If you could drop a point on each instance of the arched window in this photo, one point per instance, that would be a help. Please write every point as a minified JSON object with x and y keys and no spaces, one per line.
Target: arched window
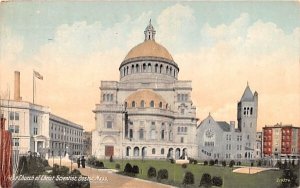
{"x":156,"y":68}
{"x":141,"y":134}
{"x":127,"y":70}
{"x":124,"y":71}
{"x":152,"y":104}
{"x":153,"y":151}
{"x":163,"y":134}
{"x":128,"y":151}
{"x":137,"y":67}
{"x":144,"y":67}
{"x":142,"y":104}
{"x":160,"y":104}
{"x":136,"y":151}
{"x":167,"y":70}
{"x":167,"y":106}
{"x":111,"y":97}
{"x":251,"y":111}
{"x":149,"y":68}
{"x":103,"y":97}
{"x":162,"y":151}
{"x":170,"y":70}
{"x":161,"y":68}
{"x":132,"y":69}
{"x":133,"y":104}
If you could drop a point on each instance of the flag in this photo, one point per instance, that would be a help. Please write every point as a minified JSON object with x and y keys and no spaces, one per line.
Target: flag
{"x":38,"y":75}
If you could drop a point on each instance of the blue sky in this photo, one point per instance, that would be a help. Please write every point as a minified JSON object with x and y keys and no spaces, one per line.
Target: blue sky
{"x":36,"y":22}
{"x":220,"y":46}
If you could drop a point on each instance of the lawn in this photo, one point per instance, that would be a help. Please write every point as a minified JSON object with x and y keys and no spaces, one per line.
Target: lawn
{"x":176,"y":173}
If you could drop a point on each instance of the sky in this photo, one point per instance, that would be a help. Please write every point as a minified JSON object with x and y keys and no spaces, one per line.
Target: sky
{"x":220,"y":46}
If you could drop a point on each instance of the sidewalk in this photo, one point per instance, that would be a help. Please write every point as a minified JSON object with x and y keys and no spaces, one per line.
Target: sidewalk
{"x":107,"y":178}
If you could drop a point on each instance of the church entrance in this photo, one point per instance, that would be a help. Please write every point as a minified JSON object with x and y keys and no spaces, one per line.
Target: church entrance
{"x":109,"y":151}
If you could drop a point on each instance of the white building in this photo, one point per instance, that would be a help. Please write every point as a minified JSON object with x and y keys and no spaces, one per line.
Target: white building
{"x":223,"y":141}
{"x":35,"y":129}
{"x":148,"y":113}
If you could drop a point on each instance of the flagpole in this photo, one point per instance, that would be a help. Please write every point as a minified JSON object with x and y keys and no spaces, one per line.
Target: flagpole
{"x":33,"y":83}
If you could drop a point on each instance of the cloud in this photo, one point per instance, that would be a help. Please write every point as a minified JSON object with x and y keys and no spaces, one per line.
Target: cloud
{"x":175,"y":25}
{"x":258,"y":52}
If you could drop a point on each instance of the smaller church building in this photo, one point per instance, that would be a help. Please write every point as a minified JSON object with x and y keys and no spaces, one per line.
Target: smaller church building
{"x":224,"y":141}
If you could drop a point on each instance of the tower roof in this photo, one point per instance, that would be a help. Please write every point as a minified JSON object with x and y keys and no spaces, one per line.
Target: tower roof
{"x":248,"y":95}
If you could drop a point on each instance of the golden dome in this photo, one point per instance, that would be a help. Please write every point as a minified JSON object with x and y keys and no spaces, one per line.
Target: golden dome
{"x":147,"y":96}
{"x":149,"y":48}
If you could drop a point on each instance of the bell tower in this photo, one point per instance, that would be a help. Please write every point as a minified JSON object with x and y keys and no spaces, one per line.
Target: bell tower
{"x":247,"y":120}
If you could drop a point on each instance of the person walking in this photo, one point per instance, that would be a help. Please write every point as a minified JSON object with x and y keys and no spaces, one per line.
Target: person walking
{"x":83,"y":162}
{"x":78,"y":162}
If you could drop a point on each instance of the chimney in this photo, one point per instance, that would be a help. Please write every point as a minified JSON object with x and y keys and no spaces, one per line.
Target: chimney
{"x":17,"y":96}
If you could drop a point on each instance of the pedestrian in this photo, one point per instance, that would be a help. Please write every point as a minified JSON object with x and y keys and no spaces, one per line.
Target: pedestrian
{"x":83,"y":162}
{"x":78,"y":162}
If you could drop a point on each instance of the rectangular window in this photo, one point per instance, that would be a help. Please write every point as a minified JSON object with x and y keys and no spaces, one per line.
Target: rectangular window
{"x":17,"y":116}
{"x":181,"y":139}
{"x":109,"y":124}
{"x":17,"y":129}
{"x":11,"y":115}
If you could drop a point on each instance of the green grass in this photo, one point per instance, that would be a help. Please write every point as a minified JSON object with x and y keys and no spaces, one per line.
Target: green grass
{"x":176,"y":173}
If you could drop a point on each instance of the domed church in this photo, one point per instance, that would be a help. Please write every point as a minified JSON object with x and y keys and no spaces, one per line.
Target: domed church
{"x":148,"y":113}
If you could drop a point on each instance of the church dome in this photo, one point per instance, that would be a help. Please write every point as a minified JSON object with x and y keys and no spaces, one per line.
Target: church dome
{"x":149,"y":48}
{"x":148,"y":61}
{"x":144,"y":99}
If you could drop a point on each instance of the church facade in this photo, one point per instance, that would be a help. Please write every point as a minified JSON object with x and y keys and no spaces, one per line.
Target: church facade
{"x":148,"y":113}
{"x":224,"y":141}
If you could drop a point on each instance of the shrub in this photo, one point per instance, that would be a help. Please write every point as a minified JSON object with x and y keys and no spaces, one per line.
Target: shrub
{"x":111,"y":159}
{"x":217,"y":181}
{"x":291,"y":176}
{"x":279,"y":164}
{"x":128,"y":168}
{"x":195,"y":161}
{"x":162,"y":174}
{"x":259,"y":163}
{"x":238,"y":163}
{"x":231,"y":163}
{"x":205,"y":163}
{"x":188,"y":178}
{"x":117,"y":166}
{"x":211,"y":162}
{"x":172,"y":161}
{"x":135,"y":169}
{"x":91,"y":160}
{"x":205,"y":180}
{"x":252,"y":164}
{"x":183,"y":165}
{"x":224,"y":163}
{"x":216,"y":161}
{"x":99,"y":164}
{"x":151,"y":172}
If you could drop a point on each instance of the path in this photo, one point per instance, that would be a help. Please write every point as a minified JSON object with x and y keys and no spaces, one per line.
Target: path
{"x":106,"y":178}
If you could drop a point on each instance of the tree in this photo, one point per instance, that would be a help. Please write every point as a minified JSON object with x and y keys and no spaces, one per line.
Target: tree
{"x":205,"y":163}
{"x":162,"y":174}
{"x":151,"y":172}
{"x":231,"y":163}
{"x":211,"y":162}
{"x":183,"y":165}
{"x":217,"y":181}
{"x":128,"y":168}
{"x":188,"y":178}
{"x":135,"y":169}
{"x":205,"y":180}
{"x":224,"y":163}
